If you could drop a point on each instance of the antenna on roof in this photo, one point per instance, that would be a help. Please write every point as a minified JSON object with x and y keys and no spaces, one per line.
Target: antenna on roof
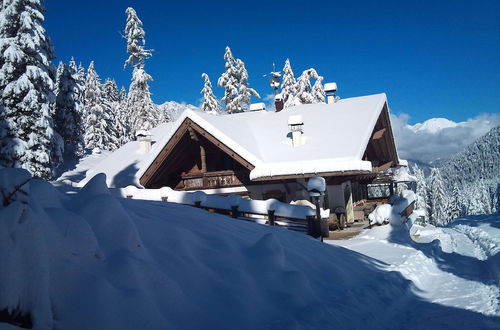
{"x":275,"y":79}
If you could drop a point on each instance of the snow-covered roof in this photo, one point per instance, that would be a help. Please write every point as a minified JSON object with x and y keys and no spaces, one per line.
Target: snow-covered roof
{"x":121,"y":166}
{"x":257,"y":106}
{"x":334,"y":138}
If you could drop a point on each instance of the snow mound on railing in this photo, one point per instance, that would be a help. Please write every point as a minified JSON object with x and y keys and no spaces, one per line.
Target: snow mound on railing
{"x":391,"y":213}
{"x":218,"y":202}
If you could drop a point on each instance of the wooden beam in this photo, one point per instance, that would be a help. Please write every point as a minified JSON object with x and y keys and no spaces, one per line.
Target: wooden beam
{"x":309,"y":175}
{"x":378,"y":134}
{"x":383,"y":167}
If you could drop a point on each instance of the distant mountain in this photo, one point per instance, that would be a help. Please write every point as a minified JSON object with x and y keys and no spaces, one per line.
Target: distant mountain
{"x":171,"y":110}
{"x":479,"y":161}
{"x":433,"y":125}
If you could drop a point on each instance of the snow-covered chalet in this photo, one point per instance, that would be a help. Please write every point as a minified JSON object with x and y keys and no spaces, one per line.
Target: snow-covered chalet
{"x":264,"y":154}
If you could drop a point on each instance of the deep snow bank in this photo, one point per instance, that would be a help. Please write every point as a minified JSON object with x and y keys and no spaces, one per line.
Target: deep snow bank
{"x":92,"y":260}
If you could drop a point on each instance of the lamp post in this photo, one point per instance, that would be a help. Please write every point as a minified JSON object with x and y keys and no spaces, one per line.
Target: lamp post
{"x":316,"y":187}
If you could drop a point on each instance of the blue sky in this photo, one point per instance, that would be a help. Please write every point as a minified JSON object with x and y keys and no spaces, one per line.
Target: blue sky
{"x":432,"y":58}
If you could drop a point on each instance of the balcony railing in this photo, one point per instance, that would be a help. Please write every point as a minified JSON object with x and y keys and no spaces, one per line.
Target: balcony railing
{"x":209,"y":180}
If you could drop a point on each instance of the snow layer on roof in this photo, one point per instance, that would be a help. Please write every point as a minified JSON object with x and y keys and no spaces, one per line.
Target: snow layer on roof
{"x":335,"y":135}
{"x":121,"y":166}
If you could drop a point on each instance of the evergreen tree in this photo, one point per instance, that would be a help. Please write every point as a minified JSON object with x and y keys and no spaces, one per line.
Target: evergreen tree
{"x":113,"y":106}
{"x":122,"y":95}
{"x":438,"y":215}
{"x":141,"y":112}
{"x":99,"y":122}
{"x":27,"y":79}
{"x":69,"y":109}
{"x":304,"y":88}
{"x":289,"y":86}
{"x":242,"y":101}
{"x":134,"y":33}
{"x":454,"y":208}
{"x":210,"y":102}
{"x":422,"y":191}
{"x":234,"y":80}
{"x":318,"y":91}
{"x":228,"y":81}
{"x":110,"y":90}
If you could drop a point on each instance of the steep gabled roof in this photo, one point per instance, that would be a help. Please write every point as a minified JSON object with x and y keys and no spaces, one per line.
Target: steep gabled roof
{"x":336,"y":137}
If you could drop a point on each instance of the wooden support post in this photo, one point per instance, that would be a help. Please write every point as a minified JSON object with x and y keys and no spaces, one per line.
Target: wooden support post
{"x":234,"y":211}
{"x":271,"y":217}
{"x":203,"y":158}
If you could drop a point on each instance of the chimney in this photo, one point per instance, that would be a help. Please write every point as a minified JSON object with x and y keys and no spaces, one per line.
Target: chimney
{"x":295,"y":123}
{"x":278,"y":102}
{"x":330,"y":90}
{"x":144,"y":139}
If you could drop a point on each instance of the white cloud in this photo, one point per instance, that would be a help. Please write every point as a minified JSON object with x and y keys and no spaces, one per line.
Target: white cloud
{"x":438,"y":138}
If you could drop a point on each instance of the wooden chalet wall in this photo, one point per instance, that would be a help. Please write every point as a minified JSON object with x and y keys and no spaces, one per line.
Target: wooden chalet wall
{"x":193,"y":159}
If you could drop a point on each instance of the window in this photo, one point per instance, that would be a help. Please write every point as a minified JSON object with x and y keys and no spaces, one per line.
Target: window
{"x":381,"y":190}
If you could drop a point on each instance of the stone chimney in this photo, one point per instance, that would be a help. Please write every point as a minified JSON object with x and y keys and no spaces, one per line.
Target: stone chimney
{"x":278,"y":102}
{"x":144,"y":139}
{"x":295,"y":124}
{"x":330,"y":90}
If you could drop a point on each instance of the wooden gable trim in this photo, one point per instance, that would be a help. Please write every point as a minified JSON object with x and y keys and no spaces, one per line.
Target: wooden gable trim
{"x":190,"y":127}
{"x":309,"y":175}
{"x":391,"y":142}
{"x":381,"y":146}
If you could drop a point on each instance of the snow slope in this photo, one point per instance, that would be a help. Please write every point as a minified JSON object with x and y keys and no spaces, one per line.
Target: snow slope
{"x":91,"y":260}
{"x":457,"y":265}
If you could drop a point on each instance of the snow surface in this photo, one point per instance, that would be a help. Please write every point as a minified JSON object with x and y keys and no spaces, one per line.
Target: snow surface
{"x":262,"y":138}
{"x":433,"y":125}
{"x":122,"y":165}
{"x":456,"y":266}
{"x":91,"y":260}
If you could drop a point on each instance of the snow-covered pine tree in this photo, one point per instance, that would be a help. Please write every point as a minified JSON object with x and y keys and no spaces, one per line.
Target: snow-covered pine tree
{"x":289,"y":86}
{"x":112,"y":104}
{"x":228,"y":81}
{"x":318,"y":90}
{"x":122,"y":95}
{"x":142,"y":113}
{"x":99,"y":130}
{"x":69,"y":109}
{"x":110,"y":90}
{"x":438,"y":214}
{"x":27,"y":79}
{"x":234,"y":80}
{"x":304,"y":87}
{"x":242,"y":101}
{"x":210,"y":102}
{"x":454,"y":205}
{"x":422,"y":191}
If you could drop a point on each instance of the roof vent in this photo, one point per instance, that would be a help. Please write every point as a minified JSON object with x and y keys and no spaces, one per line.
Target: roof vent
{"x":144,"y":139}
{"x":295,"y":124}
{"x":330,"y":90}
{"x":257,"y":106}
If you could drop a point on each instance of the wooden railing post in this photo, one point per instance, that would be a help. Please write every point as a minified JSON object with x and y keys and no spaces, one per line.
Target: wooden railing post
{"x":271,"y":217}
{"x":234,"y":211}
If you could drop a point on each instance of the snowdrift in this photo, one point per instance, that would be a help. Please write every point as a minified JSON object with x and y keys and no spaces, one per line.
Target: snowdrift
{"x":92,"y":260}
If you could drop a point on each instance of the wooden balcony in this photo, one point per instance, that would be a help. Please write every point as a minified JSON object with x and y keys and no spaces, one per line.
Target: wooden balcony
{"x":209,"y":180}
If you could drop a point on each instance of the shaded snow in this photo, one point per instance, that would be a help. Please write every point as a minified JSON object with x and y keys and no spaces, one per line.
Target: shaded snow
{"x":103,"y":262}
{"x":456,"y":266}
